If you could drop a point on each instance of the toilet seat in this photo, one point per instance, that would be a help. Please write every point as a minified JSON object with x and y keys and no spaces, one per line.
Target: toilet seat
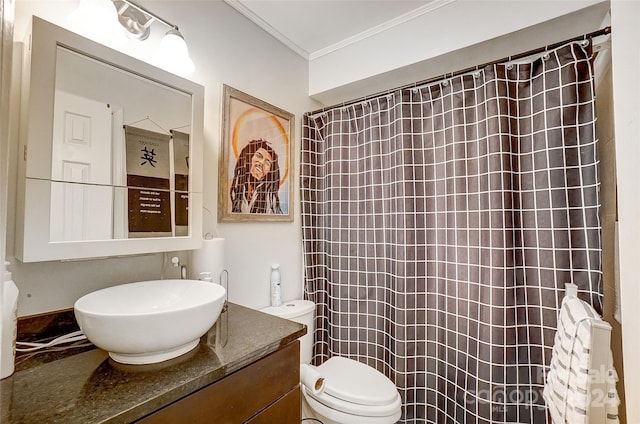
{"x":325,"y":412}
{"x":355,"y":388}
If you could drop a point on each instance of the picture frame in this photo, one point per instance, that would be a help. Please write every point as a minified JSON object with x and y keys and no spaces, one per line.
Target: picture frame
{"x":255,"y":174}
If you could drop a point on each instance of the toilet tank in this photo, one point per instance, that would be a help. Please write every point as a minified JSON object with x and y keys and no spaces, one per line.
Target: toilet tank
{"x":302,"y":311}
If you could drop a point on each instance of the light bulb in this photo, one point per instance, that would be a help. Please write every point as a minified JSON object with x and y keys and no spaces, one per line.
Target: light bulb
{"x":95,"y":19}
{"x":173,"y":54}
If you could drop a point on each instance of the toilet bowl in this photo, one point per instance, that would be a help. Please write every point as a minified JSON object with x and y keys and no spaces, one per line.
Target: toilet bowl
{"x":354,"y":393}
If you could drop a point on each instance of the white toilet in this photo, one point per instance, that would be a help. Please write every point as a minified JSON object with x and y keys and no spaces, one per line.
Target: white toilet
{"x":354,"y":393}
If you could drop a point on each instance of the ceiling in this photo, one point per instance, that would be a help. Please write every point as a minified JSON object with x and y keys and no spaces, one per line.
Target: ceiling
{"x":315,"y":27}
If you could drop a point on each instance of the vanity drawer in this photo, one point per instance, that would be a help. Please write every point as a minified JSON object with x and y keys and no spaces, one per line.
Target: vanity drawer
{"x":258,"y":393}
{"x":284,"y":410}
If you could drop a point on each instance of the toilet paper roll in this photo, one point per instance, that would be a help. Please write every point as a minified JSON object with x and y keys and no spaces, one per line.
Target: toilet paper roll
{"x":311,"y":378}
{"x":208,"y":259}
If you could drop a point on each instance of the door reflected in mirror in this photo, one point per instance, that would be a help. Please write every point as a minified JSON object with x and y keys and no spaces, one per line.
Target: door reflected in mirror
{"x":132,"y":132}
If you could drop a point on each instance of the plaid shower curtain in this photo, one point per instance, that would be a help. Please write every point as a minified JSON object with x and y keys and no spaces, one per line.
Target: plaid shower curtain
{"x":440,"y":224}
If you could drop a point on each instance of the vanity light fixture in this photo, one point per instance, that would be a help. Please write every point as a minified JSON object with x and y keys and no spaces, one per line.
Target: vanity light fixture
{"x":97,"y":19}
{"x":173,"y":53}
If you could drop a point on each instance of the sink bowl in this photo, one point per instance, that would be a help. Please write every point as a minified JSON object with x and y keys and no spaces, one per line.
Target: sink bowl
{"x":149,"y":321}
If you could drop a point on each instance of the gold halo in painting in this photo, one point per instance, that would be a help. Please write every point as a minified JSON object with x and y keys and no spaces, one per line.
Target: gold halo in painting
{"x":270,"y":128}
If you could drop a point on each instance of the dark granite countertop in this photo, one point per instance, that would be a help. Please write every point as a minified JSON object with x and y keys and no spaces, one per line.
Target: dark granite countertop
{"x":89,"y":387}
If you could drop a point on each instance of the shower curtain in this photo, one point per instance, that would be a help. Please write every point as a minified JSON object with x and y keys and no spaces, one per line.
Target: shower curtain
{"x":440,"y":224}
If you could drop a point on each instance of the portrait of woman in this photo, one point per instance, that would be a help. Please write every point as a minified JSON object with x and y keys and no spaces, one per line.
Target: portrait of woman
{"x":254,"y":179}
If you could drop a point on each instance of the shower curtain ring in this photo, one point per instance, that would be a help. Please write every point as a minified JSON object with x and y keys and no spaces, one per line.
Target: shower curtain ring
{"x":509,"y":64}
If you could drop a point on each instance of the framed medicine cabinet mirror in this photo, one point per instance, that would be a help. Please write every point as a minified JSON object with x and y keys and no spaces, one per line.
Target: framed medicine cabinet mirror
{"x":111,"y":152}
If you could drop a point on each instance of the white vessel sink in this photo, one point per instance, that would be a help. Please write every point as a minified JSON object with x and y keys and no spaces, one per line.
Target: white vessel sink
{"x":149,"y":321}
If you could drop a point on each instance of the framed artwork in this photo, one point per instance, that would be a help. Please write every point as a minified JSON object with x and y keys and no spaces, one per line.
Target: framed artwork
{"x":256,"y":160}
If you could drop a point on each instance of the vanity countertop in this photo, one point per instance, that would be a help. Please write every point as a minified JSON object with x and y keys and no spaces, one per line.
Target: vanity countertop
{"x":89,"y":387}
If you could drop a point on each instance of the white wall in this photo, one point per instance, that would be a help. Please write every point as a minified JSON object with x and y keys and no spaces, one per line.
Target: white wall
{"x":455,"y":36}
{"x":226,"y":48}
{"x":229,"y":49}
{"x":625,"y":17}
{"x":6,"y":48}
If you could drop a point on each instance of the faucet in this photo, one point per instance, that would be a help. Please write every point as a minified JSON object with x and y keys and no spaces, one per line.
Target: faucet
{"x":183,"y":268}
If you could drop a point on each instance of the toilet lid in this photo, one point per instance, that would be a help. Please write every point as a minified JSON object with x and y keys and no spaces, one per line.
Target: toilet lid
{"x":356,"y":382}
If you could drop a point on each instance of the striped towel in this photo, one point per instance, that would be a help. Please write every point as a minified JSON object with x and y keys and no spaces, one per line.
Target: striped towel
{"x":572,"y":392}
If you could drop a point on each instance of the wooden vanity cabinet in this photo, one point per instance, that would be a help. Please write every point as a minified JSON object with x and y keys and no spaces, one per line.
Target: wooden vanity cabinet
{"x":265,"y":391}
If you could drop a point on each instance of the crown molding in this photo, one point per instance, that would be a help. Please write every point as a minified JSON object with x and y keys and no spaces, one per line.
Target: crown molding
{"x":427,"y":8}
{"x":248,"y":13}
{"x":378,"y":29}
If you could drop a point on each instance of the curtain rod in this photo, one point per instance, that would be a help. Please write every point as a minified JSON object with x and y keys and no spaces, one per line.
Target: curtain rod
{"x":603,"y":31}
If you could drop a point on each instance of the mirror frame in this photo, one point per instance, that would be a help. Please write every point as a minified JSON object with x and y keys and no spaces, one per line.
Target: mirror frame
{"x":32,"y":242}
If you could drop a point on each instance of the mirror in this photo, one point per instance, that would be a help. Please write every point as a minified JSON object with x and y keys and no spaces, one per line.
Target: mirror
{"x":112,"y":152}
